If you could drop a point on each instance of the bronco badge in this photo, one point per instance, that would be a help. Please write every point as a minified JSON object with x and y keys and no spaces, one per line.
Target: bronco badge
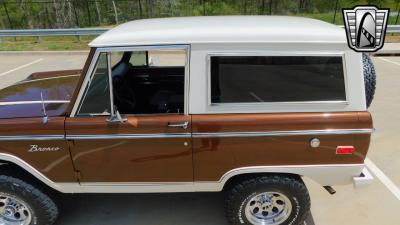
{"x":36,"y":148}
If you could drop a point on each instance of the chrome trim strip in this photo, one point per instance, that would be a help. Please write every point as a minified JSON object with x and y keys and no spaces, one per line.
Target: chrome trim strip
{"x":283,"y":133}
{"x":110,"y":84}
{"x":32,"y":137}
{"x":186,"y":135}
{"x":134,"y":183}
{"x":86,"y":79}
{"x":127,"y":136}
{"x":34,"y":102}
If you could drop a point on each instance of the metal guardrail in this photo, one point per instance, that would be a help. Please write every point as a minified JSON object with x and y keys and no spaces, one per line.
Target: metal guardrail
{"x":79,"y":32}
{"x":391,"y":29}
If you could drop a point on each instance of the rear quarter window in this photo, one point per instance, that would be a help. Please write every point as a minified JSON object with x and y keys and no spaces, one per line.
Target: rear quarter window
{"x":252,"y":79}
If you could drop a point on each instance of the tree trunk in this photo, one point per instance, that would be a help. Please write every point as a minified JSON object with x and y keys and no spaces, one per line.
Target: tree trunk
{"x":98,"y":11}
{"x":398,"y":11}
{"x":115,"y":12}
{"x":262,"y":8}
{"x":270,"y":7}
{"x":48,"y":22}
{"x":88,"y":11}
{"x":140,"y":9}
{"x":57,"y":15}
{"x":8,"y":16}
{"x":75,"y":13}
{"x":336,"y":8}
{"x":204,"y":7}
{"x":149,"y":8}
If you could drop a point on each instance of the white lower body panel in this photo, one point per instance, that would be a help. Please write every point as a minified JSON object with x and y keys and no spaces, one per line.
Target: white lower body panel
{"x":326,"y":175}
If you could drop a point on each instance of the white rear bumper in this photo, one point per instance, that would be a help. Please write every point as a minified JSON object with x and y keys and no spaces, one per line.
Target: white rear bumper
{"x":364,"y":179}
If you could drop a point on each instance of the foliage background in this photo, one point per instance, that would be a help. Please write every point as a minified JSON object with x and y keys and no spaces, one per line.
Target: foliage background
{"x":29,"y":14}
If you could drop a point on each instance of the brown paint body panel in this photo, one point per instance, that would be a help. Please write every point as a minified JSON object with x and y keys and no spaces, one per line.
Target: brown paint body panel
{"x":215,"y":156}
{"x":55,"y":165}
{"x":169,"y":159}
{"x":132,"y":160}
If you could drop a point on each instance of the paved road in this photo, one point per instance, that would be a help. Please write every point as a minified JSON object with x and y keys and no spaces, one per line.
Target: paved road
{"x":376,"y":204}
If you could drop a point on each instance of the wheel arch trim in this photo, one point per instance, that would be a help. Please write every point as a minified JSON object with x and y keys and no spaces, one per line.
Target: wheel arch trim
{"x":9,"y":158}
{"x":324,"y":174}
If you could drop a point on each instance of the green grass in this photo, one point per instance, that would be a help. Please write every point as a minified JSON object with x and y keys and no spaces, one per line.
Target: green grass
{"x":45,"y":44}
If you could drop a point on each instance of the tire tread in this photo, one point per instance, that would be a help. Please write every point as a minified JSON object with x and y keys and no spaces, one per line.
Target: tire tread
{"x":48,"y":207}
{"x":240,"y":188}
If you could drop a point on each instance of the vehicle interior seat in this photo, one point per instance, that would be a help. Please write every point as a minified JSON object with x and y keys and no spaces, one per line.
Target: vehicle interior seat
{"x":124,"y":95}
{"x":161,"y":88}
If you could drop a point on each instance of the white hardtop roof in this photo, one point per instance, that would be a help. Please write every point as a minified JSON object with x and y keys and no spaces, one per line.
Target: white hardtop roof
{"x":221,"y":29}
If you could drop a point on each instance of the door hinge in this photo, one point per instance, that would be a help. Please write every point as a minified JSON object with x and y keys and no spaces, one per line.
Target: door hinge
{"x":78,"y":175}
{"x":71,"y":142}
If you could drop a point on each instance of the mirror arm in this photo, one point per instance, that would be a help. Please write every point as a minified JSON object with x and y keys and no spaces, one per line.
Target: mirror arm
{"x":116,"y":117}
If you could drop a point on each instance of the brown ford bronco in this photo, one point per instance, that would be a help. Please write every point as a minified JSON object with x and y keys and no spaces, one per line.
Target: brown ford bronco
{"x":243,"y":105}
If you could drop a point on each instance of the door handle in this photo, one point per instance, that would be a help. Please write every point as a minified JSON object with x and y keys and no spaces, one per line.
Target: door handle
{"x":184,"y":125}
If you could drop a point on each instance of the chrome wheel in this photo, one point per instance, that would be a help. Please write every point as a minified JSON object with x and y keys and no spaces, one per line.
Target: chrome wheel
{"x":14,"y":211}
{"x":270,"y":208}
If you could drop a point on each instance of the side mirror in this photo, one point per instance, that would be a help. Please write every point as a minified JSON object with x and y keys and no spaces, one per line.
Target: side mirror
{"x":45,"y":118}
{"x":116,"y":118}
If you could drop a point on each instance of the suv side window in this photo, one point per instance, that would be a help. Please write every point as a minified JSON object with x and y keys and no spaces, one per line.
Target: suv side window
{"x":138,"y":58}
{"x":96,"y":100}
{"x":251,"y":79}
{"x":149,"y":82}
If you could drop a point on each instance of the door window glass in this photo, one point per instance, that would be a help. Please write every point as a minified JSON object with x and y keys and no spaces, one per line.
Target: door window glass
{"x":156,"y":87}
{"x":96,"y":99}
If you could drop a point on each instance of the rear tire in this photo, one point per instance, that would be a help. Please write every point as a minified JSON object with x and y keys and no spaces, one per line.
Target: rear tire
{"x":21,"y":203}
{"x":267,"y":200}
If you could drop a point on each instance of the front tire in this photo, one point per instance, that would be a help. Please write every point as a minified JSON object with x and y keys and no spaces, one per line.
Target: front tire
{"x":274,"y":200}
{"x":22,"y":203}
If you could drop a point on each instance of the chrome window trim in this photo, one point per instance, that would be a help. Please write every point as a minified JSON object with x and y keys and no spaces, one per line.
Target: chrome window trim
{"x":127,"y":136}
{"x":34,"y":102}
{"x":89,"y":74}
{"x":85,"y":92}
{"x":32,"y":137}
{"x":110,"y":84}
{"x":283,"y":133}
{"x":271,"y":54}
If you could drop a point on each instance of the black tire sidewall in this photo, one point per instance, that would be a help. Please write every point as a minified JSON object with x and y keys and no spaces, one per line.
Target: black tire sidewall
{"x":14,"y":191}
{"x":42,"y":208}
{"x":295,"y":199}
